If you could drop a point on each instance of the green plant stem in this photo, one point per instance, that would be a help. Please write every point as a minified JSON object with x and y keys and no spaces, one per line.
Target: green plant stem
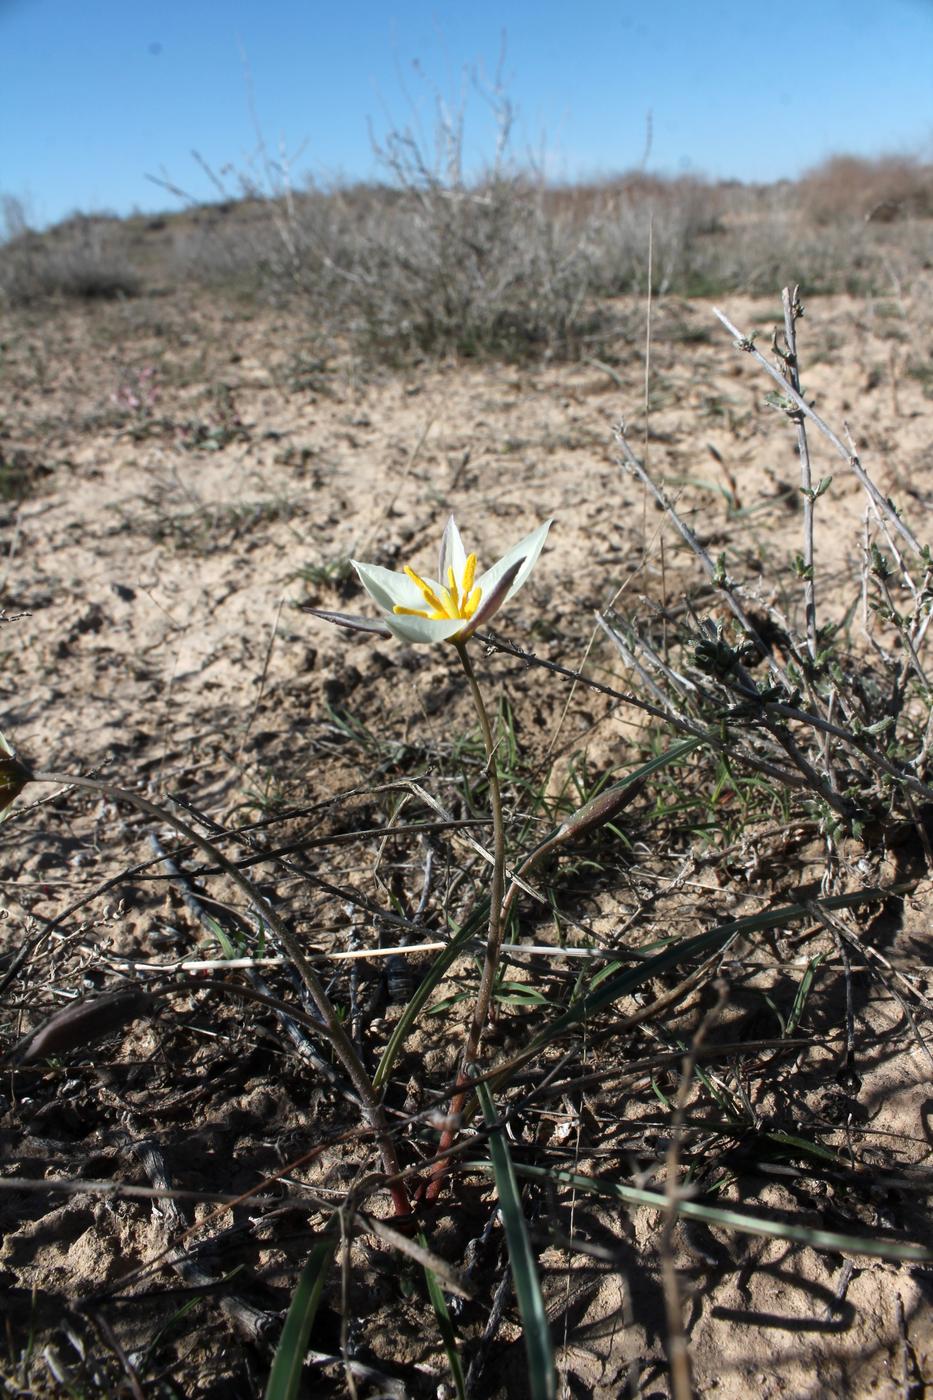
{"x":497,"y":888}
{"x":493,"y":935}
{"x":331,"y":1026}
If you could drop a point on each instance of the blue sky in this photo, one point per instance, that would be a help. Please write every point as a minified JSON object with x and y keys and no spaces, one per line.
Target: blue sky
{"x":95,"y":95}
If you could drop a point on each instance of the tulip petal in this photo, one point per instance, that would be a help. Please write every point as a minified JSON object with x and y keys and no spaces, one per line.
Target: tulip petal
{"x":388,"y":588}
{"x":424,"y":629}
{"x":526,"y":551}
{"x":493,"y":601}
{"x":354,"y":624}
{"x":452,"y":554}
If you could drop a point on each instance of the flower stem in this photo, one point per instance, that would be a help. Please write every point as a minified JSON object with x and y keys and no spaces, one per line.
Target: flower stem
{"x":497,"y":888}
{"x":331,"y":1026}
{"x":494,"y":932}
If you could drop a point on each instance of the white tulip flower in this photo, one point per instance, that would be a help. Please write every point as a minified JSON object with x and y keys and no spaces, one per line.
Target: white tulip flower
{"x":451,"y":607}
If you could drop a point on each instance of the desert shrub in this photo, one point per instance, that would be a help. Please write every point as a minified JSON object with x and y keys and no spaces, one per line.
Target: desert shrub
{"x":883,"y":692}
{"x":880,"y":190}
{"x":709,"y":239}
{"x":85,"y":257}
{"x":233,"y":242}
{"x":434,"y":260}
{"x":680,"y":218}
{"x":515,"y":264}
{"x":469,"y":269}
{"x":428,"y":260}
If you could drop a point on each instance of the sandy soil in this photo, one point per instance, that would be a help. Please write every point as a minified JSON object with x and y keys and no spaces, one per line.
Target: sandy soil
{"x":195,"y":471}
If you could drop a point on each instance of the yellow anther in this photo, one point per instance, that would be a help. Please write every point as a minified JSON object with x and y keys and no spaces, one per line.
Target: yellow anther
{"x":450,"y":602}
{"x":445,"y":603}
{"x":429,"y":595}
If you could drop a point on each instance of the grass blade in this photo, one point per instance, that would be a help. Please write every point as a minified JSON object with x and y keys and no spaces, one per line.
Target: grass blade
{"x":445,"y":1327}
{"x":542,"y":1377}
{"x":725,"y":1218}
{"x":714,"y":940}
{"x":285,"y":1374}
{"x":441,"y":963}
{"x":590,"y":814}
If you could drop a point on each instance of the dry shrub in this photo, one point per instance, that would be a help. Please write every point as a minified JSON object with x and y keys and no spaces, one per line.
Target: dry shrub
{"x":880,"y":190}
{"x":464,"y":269}
{"x":85,"y":257}
{"x":431,"y":260}
{"x":231,"y":243}
{"x":676,"y":219}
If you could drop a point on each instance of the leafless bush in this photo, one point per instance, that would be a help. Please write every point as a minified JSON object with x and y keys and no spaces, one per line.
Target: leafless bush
{"x":881,"y":190}
{"x":862,"y":744}
{"x":438,"y":262}
{"x":470,"y":269}
{"x":709,"y":238}
{"x":435,"y":260}
{"x":233,"y":242}
{"x":84,"y":257}
{"x":675,"y":219}
{"x":431,"y":261}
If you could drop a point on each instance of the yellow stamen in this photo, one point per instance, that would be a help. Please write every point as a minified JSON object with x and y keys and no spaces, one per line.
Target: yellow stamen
{"x":450,"y":601}
{"x":429,"y":595}
{"x":445,"y":603}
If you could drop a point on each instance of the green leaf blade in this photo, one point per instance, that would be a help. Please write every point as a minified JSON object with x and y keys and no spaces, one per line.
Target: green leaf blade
{"x":542,"y":1376}
{"x":285,"y":1374}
